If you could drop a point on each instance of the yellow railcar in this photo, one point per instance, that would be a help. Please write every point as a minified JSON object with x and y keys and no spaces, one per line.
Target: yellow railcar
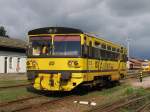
{"x":60,"y":59}
{"x":146,"y":66}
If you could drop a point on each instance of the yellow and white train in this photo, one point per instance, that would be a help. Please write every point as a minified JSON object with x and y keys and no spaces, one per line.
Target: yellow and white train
{"x":60,"y":59}
{"x":146,"y":66}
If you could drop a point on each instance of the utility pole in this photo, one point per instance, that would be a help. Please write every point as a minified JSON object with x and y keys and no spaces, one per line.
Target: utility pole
{"x":128,"y":51}
{"x":128,"y":46}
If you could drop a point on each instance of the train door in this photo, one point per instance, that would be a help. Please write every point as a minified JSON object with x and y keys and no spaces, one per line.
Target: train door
{"x":86,"y":52}
{"x":5,"y":65}
{"x":89,"y":64}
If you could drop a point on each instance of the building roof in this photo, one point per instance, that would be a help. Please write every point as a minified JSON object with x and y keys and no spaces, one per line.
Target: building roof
{"x":12,"y":43}
{"x":134,"y":60}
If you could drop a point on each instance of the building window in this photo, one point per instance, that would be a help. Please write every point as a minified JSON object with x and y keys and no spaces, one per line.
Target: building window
{"x":18,"y":65}
{"x":18,"y":60}
{"x":10,"y":62}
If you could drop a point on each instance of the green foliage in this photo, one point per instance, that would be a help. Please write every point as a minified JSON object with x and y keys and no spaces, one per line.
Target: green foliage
{"x":12,"y":82}
{"x":3,"y":31}
{"x":129,"y":91}
{"x":110,"y":91}
{"x":137,"y":91}
{"x":13,"y":94}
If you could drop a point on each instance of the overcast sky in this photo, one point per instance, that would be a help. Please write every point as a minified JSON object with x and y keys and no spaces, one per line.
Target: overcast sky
{"x":114,"y":20}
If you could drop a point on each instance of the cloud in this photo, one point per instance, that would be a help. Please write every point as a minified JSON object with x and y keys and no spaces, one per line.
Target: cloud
{"x":129,"y":7}
{"x":112,"y":19}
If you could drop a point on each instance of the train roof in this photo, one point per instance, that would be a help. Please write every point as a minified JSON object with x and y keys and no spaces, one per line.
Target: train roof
{"x":106,"y":41}
{"x":55,"y":30}
{"x":65,"y":30}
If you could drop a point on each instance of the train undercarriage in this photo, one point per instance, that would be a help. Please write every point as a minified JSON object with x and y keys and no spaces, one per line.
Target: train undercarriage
{"x":57,"y":82}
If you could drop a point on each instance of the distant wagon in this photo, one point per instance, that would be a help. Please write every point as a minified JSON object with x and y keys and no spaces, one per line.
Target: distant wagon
{"x":60,"y":59}
{"x":146,"y":66}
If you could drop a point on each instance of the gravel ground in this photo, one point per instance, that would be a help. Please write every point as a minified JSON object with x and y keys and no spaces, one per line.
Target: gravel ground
{"x":136,"y":82}
{"x":69,"y":106}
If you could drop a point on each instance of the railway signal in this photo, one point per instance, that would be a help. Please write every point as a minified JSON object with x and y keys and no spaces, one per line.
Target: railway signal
{"x":141,"y":76}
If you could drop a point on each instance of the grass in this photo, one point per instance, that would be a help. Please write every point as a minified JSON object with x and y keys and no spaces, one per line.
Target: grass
{"x":13,"y":94}
{"x":12,"y":82}
{"x":137,"y":91}
{"x":109,"y":95}
{"x":119,"y":92}
{"x":116,"y":93}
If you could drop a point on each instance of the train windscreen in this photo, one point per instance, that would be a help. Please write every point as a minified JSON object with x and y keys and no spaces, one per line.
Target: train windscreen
{"x":40,"y":46}
{"x":67,"y":45}
{"x":62,"y":45}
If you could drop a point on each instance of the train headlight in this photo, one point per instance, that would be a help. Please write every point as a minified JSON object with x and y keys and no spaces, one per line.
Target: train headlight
{"x":32,"y":64}
{"x":28,"y":63}
{"x":73,"y":63}
{"x":76,"y":63}
{"x":70,"y":63}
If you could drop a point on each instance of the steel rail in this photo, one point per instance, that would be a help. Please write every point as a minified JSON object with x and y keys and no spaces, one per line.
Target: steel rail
{"x":36,"y":106}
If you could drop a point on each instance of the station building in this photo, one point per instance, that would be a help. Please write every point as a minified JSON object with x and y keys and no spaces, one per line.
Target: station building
{"x":134,"y":63}
{"x":12,"y":55}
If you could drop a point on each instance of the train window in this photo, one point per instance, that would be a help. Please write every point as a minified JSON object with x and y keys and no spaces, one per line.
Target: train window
{"x":108,"y":47}
{"x":104,"y":46}
{"x":107,"y":55}
{"x":124,"y":58}
{"x":84,"y":38}
{"x":103,"y":54}
{"x":118,"y":50}
{"x":84,"y":50}
{"x":117,"y":56}
{"x":41,"y":47}
{"x":65,"y":45}
{"x":90,"y":49}
{"x":97,"y":45}
{"x":96,"y":53}
{"x":111,"y":56}
{"x":121,"y":50}
{"x":99,"y":54}
{"x":113,"y":49}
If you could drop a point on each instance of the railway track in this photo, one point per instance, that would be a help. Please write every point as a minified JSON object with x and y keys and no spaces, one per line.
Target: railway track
{"x":25,"y":105}
{"x":19,"y":104}
{"x":39,"y":106}
{"x":144,"y":108}
{"x":18,"y":101}
{"x":14,"y":86}
{"x":113,"y":107}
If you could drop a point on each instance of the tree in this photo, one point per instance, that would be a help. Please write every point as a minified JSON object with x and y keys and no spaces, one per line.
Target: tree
{"x":3,"y":31}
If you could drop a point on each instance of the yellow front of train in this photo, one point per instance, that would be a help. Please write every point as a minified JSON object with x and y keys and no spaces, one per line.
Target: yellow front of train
{"x":54,"y":59}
